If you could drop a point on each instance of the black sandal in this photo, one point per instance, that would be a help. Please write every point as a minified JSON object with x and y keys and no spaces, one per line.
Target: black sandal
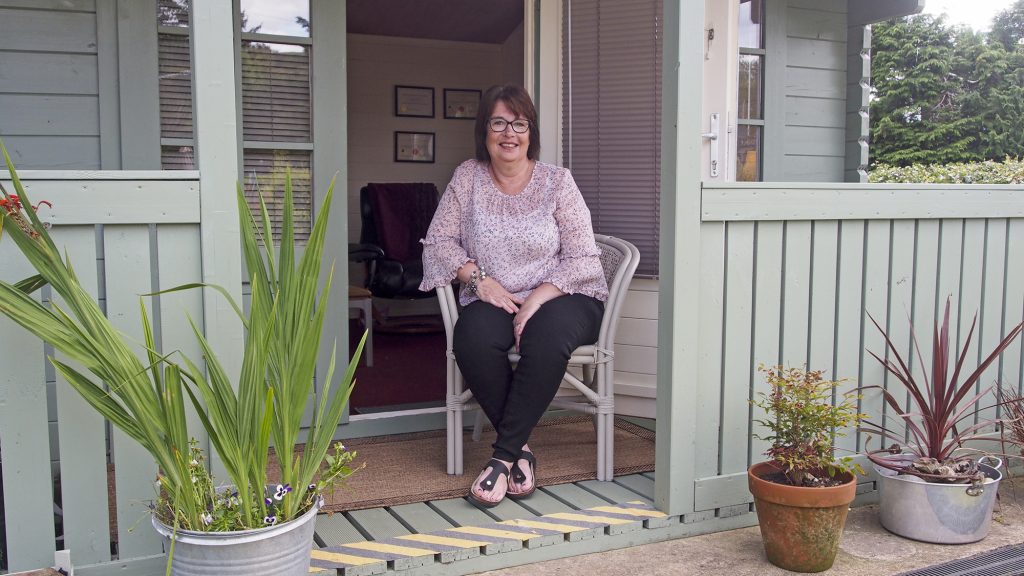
{"x":519,"y":476}
{"x":498,"y":469}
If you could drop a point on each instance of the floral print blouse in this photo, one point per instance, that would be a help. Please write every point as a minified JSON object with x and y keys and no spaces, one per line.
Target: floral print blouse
{"x":542,"y":234}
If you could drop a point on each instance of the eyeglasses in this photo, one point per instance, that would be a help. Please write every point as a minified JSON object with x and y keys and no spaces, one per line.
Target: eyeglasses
{"x":499,"y":124}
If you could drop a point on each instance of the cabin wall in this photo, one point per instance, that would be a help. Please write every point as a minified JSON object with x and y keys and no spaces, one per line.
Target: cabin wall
{"x":813,"y":47}
{"x":376,"y":64}
{"x":49,"y":83}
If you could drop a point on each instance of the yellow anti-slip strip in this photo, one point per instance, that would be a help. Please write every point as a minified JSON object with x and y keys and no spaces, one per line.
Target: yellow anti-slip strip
{"x":340,"y":558}
{"x":629,"y":511}
{"x":495,"y":533}
{"x":391,"y":549}
{"x":564,"y":528}
{"x":586,"y":518}
{"x":443,"y":540}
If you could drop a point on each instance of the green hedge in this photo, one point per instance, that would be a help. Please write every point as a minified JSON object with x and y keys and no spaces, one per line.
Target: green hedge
{"x":1011,"y":171}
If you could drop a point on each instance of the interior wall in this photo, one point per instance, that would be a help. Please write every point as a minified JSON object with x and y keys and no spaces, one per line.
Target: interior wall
{"x":375,"y":65}
{"x":512,"y":64}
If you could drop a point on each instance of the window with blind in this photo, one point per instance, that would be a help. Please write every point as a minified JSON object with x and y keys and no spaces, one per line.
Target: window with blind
{"x":611,"y":116}
{"x":276,"y":102}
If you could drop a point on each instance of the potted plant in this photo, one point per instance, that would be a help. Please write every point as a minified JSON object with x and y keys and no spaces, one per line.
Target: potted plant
{"x":933,"y":487}
{"x":144,"y":394}
{"x":802,"y":495}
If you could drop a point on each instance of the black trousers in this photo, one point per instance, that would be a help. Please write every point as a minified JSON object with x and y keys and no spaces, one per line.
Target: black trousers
{"x":515,"y":400}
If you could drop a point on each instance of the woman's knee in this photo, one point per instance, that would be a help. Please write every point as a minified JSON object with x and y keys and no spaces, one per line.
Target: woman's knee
{"x":482,"y":331}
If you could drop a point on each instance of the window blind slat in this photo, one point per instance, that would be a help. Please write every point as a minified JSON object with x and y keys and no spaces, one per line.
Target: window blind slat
{"x":275,"y":94}
{"x":265,"y":174}
{"x":612,"y":116}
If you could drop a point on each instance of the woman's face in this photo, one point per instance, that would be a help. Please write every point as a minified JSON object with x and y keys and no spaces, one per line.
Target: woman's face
{"x":508,"y":146}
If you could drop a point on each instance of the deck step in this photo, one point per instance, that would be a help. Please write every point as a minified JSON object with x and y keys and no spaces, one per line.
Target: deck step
{"x":394,"y":552}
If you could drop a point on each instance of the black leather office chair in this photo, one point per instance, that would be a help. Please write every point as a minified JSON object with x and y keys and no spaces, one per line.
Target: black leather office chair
{"x":394,"y":217}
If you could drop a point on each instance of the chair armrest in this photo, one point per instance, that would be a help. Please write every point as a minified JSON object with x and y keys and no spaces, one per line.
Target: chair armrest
{"x":364,"y":252}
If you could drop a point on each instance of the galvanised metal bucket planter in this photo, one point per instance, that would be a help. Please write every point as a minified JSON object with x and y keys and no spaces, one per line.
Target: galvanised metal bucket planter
{"x":282,"y":550}
{"x":937,"y":513}
{"x":800,"y":526}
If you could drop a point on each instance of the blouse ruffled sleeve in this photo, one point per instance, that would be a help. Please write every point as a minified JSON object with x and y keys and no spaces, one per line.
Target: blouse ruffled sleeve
{"x":579,"y":268}
{"x":443,"y":253}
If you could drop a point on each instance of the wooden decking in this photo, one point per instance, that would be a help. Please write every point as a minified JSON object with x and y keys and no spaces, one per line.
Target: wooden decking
{"x":456,"y":537}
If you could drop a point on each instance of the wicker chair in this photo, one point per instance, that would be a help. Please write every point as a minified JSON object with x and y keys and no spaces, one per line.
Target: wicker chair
{"x":594,"y":394}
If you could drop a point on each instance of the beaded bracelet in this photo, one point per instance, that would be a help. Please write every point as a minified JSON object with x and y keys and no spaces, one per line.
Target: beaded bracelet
{"x":476,"y":277}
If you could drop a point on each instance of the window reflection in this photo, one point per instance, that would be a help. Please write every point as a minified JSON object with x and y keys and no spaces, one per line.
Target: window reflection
{"x":173,"y":13}
{"x":748,"y":154}
{"x":275,"y":92}
{"x":751,"y":23}
{"x":282,"y":17}
{"x":751,"y":86}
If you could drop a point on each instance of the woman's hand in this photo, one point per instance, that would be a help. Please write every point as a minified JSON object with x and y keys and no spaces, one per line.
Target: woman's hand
{"x":526,"y":311}
{"x":541,"y":294}
{"x":492,"y":292}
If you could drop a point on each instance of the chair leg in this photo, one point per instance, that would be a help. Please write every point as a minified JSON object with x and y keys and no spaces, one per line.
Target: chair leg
{"x":478,"y":426}
{"x":455,"y":442}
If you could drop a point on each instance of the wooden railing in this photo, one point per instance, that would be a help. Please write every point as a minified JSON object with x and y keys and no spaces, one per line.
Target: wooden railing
{"x":126,"y":234}
{"x":789,"y":273}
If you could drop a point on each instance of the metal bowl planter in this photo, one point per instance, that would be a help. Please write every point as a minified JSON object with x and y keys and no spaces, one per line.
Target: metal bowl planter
{"x":282,"y":550}
{"x":800,"y":526}
{"x":940,"y":513}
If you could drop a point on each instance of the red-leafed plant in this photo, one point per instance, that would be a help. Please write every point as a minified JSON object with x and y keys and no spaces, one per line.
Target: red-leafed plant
{"x":939,"y":405}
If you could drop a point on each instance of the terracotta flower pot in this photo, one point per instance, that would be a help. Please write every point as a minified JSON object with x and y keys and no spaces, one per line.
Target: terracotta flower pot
{"x":800,"y":527}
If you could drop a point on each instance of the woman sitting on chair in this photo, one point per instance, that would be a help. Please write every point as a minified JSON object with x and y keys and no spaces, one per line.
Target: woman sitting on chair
{"x":517,"y":234}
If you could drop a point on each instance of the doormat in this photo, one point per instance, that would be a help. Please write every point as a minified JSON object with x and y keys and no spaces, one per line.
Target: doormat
{"x":407,"y":468}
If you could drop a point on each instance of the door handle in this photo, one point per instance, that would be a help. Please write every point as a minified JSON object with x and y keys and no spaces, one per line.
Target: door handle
{"x":712,"y":137}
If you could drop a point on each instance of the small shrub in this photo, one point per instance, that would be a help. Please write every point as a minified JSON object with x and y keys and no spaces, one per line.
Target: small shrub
{"x":803,"y":422}
{"x":1010,"y":171}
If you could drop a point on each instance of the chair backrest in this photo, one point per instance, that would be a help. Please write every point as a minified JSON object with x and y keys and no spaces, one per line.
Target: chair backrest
{"x":395,"y":216}
{"x":619,"y":260}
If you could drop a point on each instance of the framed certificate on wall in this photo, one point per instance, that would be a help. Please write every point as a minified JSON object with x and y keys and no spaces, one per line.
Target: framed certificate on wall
{"x":414,"y":147}
{"x":461,"y":104}
{"x":416,"y":101}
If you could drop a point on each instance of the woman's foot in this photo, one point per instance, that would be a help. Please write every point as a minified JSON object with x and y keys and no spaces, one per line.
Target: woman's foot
{"x":523,"y":476}
{"x":492,"y":484}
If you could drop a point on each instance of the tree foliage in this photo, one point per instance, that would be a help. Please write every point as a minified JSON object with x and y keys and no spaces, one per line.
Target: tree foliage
{"x":946,"y":94}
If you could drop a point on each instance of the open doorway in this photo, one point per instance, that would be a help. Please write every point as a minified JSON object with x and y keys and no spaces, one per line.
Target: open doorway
{"x":414,"y":69}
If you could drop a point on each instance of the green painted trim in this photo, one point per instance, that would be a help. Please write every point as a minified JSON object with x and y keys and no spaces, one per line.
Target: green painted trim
{"x":678,"y":333}
{"x":25,"y":431}
{"x":775,"y":62}
{"x":397,"y":425}
{"x":138,"y":84}
{"x":735,"y":202}
{"x":109,"y":94}
{"x":863,"y":12}
{"x":217,"y":156}
{"x":330,"y":160}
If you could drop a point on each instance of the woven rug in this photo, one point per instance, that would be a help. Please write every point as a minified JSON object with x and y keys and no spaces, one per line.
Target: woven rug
{"x":406,"y":468}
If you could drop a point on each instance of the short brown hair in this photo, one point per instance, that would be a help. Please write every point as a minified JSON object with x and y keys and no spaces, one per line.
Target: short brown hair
{"x":519,"y":102}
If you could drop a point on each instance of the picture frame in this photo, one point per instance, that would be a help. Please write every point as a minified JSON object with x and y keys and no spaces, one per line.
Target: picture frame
{"x":461,"y":104}
{"x":414,"y":147}
{"x":414,"y":101}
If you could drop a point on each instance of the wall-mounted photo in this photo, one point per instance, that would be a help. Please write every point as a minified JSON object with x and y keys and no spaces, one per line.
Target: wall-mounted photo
{"x":417,"y":101}
{"x":414,"y":147}
{"x":461,"y":103}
